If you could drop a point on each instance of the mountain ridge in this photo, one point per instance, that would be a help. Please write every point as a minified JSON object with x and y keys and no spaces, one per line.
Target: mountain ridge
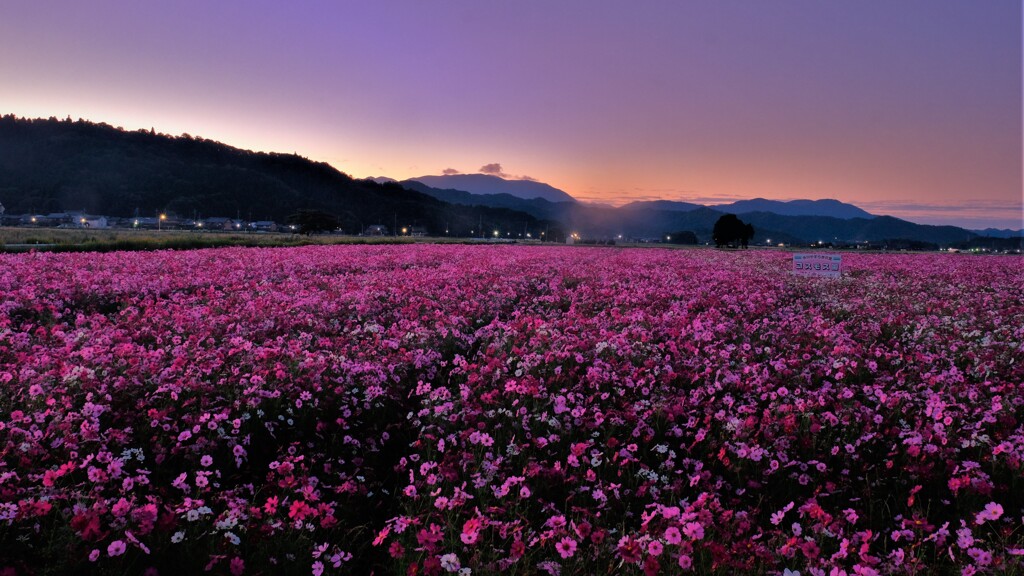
{"x":56,"y":165}
{"x":490,"y":184}
{"x":52,"y":165}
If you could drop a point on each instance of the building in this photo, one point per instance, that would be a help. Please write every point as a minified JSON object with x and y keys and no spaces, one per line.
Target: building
{"x":376,"y":230}
{"x":217,"y":224}
{"x":263,"y":226}
{"x":96,"y":222}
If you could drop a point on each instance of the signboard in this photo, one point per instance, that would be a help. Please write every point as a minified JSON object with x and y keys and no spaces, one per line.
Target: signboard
{"x":826,"y":265}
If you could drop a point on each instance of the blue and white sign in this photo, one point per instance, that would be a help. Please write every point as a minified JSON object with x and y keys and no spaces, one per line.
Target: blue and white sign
{"x":826,"y":265}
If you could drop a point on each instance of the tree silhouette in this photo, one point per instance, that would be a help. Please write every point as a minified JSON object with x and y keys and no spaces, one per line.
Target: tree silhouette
{"x":729,"y":230}
{"x":748,"y":233}
{"x":682,"y":237}
{"x":312,"y":221}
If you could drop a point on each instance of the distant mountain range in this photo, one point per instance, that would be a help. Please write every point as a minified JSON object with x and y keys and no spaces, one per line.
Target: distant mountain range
{"x":1000,"y":233}
{"x":52,"y":165}
{"x":487,"y":184}
{"x":830,"y":208}
{"x":797,"y":221}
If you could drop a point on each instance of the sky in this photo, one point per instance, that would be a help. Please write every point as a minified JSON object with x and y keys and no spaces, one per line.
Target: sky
{"x":911,"y":108}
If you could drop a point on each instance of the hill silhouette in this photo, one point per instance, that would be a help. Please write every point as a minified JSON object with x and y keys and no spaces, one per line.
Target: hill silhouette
{"x":62,"y":165}
{"x":490,"y":185}
{"x":56,"y":165}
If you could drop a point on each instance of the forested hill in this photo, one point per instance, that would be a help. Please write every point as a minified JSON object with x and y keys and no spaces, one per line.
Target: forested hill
{"x":56,"y":165}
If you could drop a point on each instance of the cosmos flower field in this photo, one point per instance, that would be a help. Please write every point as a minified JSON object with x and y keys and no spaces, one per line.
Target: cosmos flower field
{"x":475,"y":409}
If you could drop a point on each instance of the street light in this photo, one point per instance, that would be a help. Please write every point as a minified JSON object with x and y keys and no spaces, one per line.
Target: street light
{"x":495,"y":233}
{"x":160,"y":221}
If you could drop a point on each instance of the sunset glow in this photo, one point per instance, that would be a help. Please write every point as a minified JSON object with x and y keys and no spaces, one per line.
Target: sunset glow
{"x":910,"y":109}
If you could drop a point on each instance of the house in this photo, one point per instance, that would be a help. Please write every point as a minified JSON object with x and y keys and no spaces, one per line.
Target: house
{"x":417,"y":231}
{"x":160,"y":223}
{"x":56,"y":219}
{"x":85,"y":221}
{"x":217,"y":224}
{"x":376,"y":230}
{"x":263,"y":226}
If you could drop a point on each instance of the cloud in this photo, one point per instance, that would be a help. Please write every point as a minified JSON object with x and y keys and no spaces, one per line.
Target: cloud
{"x":976,"y":213}
{"x":493,"y":169}
{"x":450,"y":172}
{"x":974,"y":206}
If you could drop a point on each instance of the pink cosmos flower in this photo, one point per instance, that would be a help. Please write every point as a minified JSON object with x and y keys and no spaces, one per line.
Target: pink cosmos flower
{"x":299,"y":510}
{"x":629,"y":549}
{"x":470,"y":531}
{"x":672,"y":535}
{"x":116,"y":548}
{"x":566,"y":547}
{"x":693,"y":530}
{"x":396,"y":550}
{"x":992,"y":511}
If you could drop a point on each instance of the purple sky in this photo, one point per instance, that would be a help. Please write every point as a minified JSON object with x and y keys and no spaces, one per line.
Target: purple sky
{"x":909,"y":107}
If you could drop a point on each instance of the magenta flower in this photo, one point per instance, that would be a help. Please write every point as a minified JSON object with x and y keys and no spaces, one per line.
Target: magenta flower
{"x":116,"y":548}
{"x":992,"y":511}
{"x":566,"y":547}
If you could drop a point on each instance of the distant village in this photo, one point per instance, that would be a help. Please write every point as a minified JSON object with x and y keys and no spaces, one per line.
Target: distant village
{"x":80,"y":220}
{"x":91,"y":221}
{"x":85,"y":221}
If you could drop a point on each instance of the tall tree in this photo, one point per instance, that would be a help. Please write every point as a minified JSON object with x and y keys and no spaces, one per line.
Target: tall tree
{"x":727,"y":231}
